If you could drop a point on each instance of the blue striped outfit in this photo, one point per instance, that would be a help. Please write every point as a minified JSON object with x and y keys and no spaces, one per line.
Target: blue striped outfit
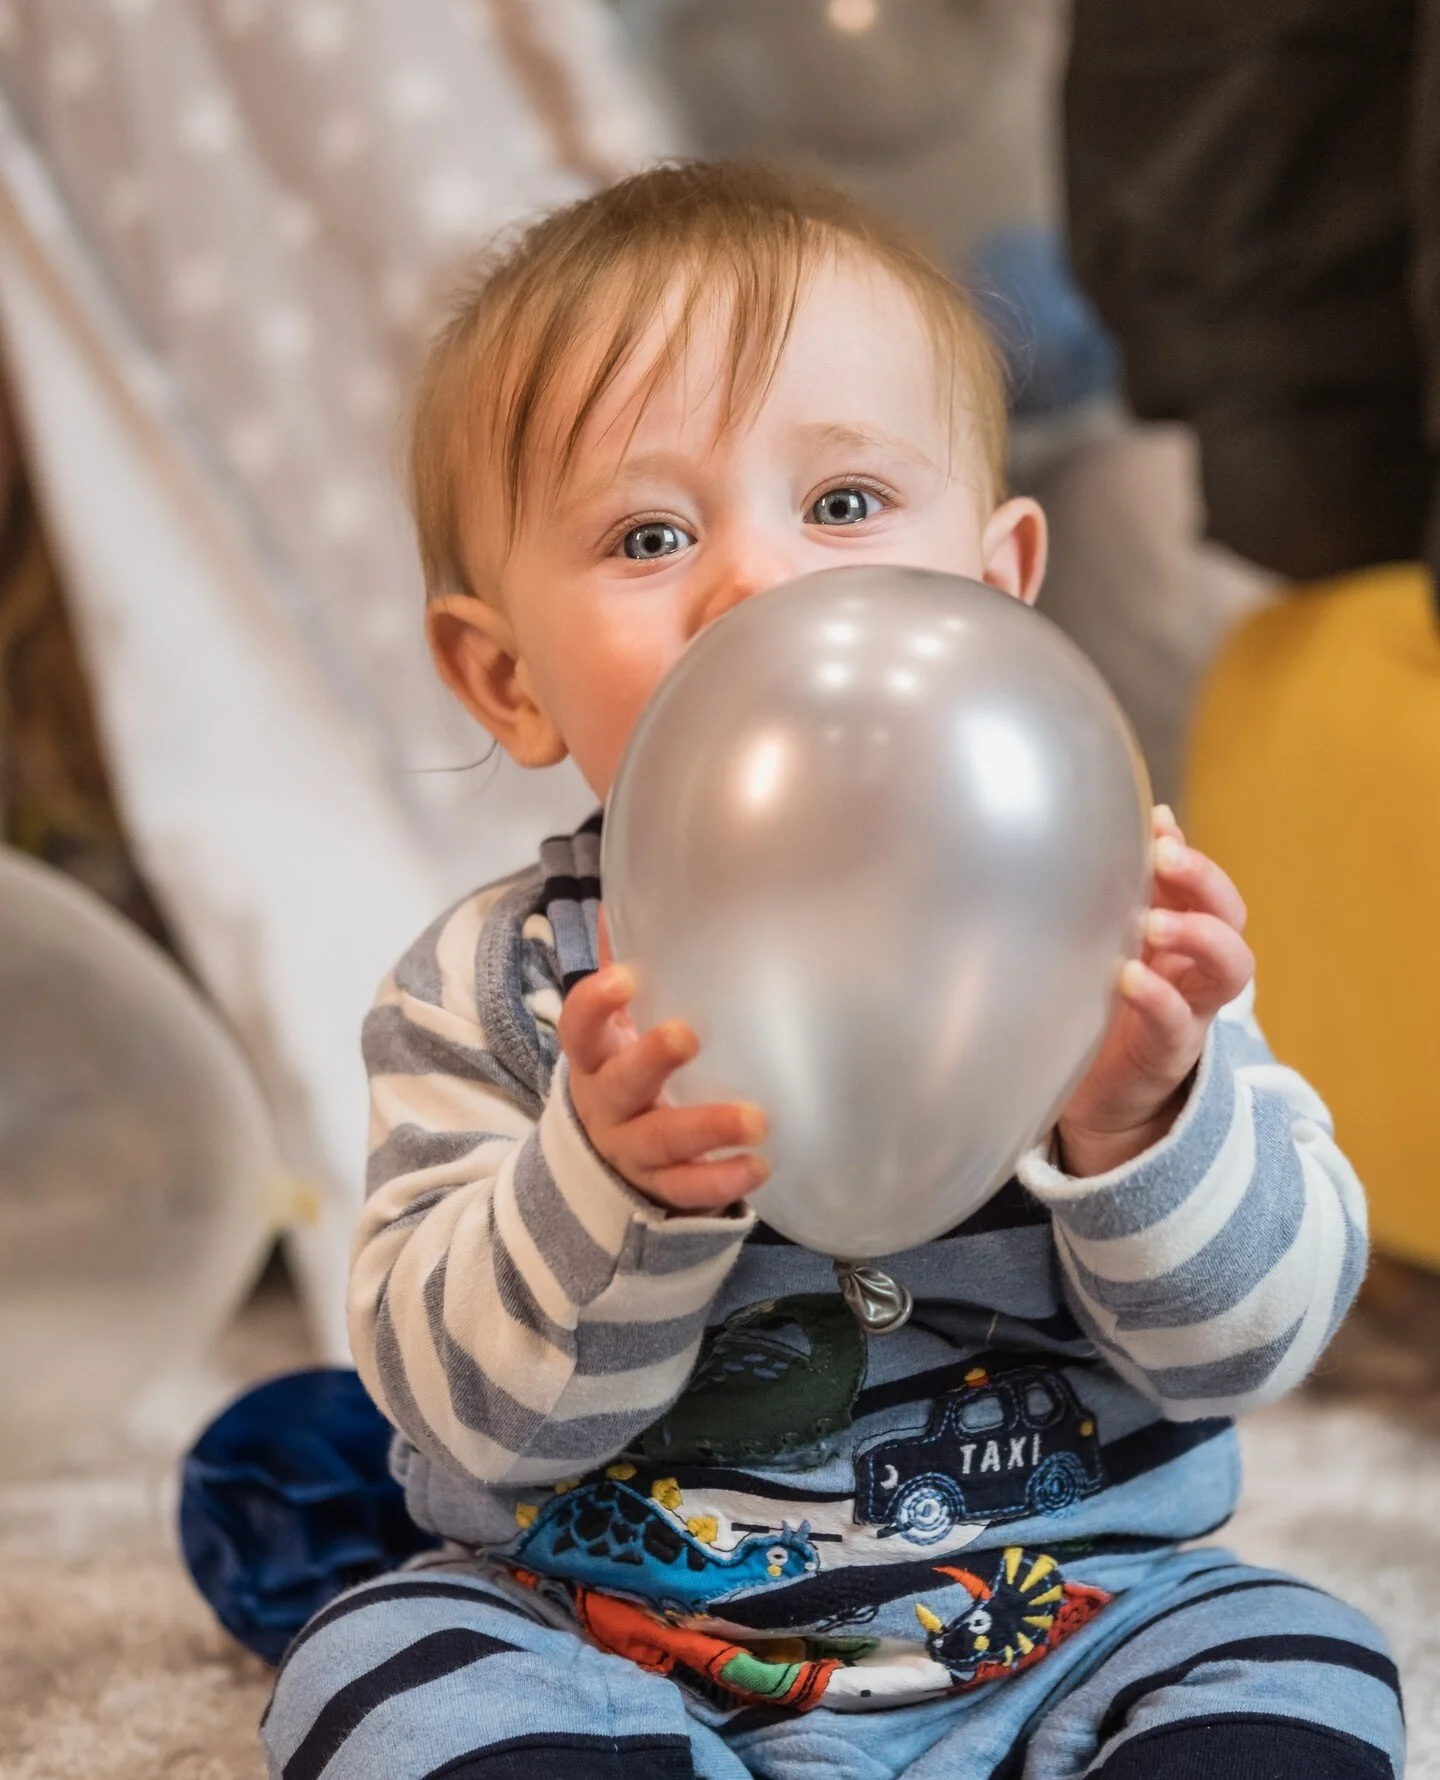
{"x":698,"y":1524}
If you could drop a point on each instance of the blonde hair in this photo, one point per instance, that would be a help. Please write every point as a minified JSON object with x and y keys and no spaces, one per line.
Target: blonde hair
{"x":590,"y":280}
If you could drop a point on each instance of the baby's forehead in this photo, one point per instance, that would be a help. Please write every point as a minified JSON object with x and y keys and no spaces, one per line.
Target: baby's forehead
{"x":853,"y":361}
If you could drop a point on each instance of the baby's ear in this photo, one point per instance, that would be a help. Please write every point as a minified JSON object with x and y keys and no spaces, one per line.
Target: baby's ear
{"x":475,"y":654}
{"x":1014,"y":548}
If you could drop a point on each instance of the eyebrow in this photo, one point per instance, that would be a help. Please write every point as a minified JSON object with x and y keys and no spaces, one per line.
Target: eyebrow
{"x":847,"y":437}
{"x":648,"y":466}
{"x":670,"y":465}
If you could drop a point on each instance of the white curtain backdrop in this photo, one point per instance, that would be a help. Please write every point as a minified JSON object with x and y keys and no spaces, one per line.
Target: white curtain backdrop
{"x":224,"y":225}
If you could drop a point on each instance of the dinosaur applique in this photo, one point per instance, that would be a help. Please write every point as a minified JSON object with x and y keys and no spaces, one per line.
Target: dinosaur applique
{"x":607,"y":1535}
{"x":791,"y":1673}
{"x":1019,"y":1611}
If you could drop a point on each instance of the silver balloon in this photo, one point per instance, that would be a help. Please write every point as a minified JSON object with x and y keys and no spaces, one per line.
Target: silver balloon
{"x":137,"y":1171}
{"x":882,"y":837}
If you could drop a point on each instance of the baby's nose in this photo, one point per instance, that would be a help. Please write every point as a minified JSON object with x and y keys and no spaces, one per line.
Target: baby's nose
{"x":742,"y":581}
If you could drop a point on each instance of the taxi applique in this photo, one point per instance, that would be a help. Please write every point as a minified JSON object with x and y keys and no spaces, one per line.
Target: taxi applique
{"x":1008,"y":1444}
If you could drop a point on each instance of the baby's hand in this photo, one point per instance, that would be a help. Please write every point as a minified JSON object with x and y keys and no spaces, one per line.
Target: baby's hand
{"x":1195,"y":961}
{"x":616,"y":1079}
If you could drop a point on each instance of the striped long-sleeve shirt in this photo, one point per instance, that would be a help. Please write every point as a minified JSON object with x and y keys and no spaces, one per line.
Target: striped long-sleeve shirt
{"x":681,"y":1410}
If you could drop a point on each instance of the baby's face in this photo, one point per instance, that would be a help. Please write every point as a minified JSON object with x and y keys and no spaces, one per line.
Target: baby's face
{"x":850,"y":457}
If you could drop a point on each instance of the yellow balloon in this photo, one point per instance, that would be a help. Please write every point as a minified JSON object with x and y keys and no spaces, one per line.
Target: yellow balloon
{"x":1315,"y":781}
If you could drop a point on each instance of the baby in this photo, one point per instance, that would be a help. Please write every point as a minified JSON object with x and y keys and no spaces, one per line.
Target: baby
{"x":697,"y":1521}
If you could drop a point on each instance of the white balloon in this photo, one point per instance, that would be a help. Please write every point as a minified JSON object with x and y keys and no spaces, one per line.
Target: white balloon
{"x":882,"y":836}
{"x":137,"y":1167}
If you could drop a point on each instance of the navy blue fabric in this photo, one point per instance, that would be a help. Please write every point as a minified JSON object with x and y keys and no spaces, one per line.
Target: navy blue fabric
{"x":576,"y":1758}
{"x":286,"y":1500}
{"x":1246,"y":1746}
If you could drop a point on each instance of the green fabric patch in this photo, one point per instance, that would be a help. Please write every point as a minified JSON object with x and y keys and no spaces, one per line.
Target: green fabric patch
{"x":753,"y":1675}
{"x":848,"y":1650}
{"x":776,"y":1382}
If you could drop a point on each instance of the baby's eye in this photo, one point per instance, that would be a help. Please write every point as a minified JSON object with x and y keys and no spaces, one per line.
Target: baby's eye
{"x":843,"y":506}
{"x":656,"y":538}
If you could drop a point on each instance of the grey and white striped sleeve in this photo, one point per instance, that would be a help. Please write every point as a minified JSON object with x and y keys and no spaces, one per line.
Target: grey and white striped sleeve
{"x":1213,"y":1270}
{"x":516,"y":1308}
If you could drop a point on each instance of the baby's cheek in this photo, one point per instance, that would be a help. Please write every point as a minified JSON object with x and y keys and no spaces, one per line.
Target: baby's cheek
{"x":608,"y":699}
{"x":604,"y":713}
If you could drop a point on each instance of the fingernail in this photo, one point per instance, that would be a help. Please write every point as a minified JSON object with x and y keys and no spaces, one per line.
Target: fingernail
{"x":754,"y":1124}
{"x":680,"y":1040}
{"x":759,"y":1170}
{"x":1161,"y":927}
{"x":1163,"y":813}
{"x":1169,"y":854}
{"x":1132,"y":978}
{"x":622,"y":980}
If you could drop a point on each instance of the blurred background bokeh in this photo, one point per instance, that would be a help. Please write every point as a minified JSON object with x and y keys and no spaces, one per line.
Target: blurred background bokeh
{"x":225,"y":229}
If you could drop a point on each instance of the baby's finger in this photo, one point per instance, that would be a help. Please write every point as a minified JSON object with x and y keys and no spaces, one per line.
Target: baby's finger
{"x":1191,"y":881}
{"x":668,"y":1135}
{"x":634,"y":1077}
{"x":1220,"y":963}
{"x":709,"y":1186}
{"x":587,"y":1031}
{"x":1163,"y":823}
{"x":607,"y":957}
{"x":1164,"y":1011}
